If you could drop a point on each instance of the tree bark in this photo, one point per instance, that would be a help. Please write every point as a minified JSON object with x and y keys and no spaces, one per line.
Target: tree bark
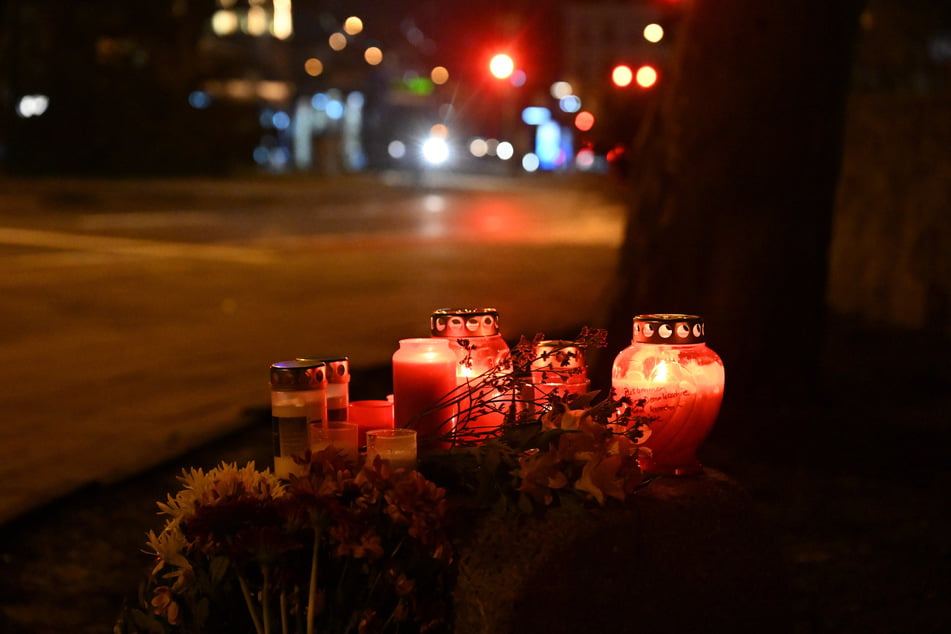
{"x":733,"y":187}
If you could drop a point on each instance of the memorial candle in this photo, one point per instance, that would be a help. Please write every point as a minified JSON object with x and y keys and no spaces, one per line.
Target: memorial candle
{"x":398,"y":446}
{"x":371,"y":414}
{"x":476,"y":339}
{"x":680,"y":381}
{"x":424,"y":372}
{"x":340,"y":435}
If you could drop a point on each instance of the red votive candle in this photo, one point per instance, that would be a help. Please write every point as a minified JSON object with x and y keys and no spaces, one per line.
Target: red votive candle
{"x":424,"y":372}
{"x":371,"y":414}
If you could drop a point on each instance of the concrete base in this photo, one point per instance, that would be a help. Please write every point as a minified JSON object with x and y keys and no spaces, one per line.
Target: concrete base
{"x":684,"y":555}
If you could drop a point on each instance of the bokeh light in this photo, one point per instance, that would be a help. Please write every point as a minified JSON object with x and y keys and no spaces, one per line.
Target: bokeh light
{"x":396,"y":149}
{"x":373,"y":55}
{"x":313,"y":67}
{"x":337,"y":41}
{"x":530,"y":162}
{"x":646,"y":76}
{"x":501,"y":66}
{"x":478,"y":147}
{"x":622,"y":75}
{"x":352,"y":25}
{"x":561,"y":89}
{"x":584,"y":120}
{"x":439,"y":75}
{"x":505,"y":150}
{"x":653,"y":33}
{"x":224,"y":22}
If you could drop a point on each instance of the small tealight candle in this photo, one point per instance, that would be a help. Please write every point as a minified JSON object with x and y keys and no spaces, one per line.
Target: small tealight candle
{"x":398,"y":446}
{"x":371,"y":414}
{"x":339,"y":435}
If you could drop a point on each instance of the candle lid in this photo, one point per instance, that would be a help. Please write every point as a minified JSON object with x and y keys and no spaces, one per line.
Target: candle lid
{"x":338,"y":368}
{"x":298,"y":374}
{"x":464,"y":322}
{"x":670,"y":329}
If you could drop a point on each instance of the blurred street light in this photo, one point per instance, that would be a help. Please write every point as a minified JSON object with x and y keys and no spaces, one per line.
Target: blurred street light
{"x":501,"y":66}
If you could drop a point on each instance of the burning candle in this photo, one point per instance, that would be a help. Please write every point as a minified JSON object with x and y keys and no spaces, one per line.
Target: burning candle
{"x":476,"y":339}
{"x":371,"y":414}
{"x":341,"y":436}
{"x":424,"y":373}
{"x":398,"y":446}
{"x":559,"y":369}
{"x":680,"y":380}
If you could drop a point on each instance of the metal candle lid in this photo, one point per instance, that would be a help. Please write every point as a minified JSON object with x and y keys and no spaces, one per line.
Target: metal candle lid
{"x":338,"y":368}
{"x":669,"y":329}
{"x":464,"y":322}
{"x":297,"y":374}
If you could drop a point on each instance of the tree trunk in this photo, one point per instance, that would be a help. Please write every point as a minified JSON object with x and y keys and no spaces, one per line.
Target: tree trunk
{"x":733,"y":186}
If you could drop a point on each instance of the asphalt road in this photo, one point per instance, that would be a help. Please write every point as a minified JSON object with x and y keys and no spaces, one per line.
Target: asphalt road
{"x":138,"y":317}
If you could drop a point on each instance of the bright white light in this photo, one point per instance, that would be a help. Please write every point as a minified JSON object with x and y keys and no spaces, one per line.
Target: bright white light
{"x":32,"y":105}
{"x":505,"y":151}
{"x":501,"y":66}
{"x":396,"y":149}
{"x":282,"y":26}
{"x":653,"y":33}
{"x":224,"y":22}
{"x":530,"y":162}
{"x":435,"y":150}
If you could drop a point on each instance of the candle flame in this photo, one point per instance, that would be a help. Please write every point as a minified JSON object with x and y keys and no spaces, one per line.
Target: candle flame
{"x":659,"y":375}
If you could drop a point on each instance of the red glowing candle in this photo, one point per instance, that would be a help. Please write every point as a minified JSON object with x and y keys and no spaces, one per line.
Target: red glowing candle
{"x":680,"y":382}
{"x":424,"y":373}
{"x":371,"y":414}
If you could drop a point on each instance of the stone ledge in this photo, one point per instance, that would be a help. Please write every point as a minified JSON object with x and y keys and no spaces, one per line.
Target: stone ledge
{"x":684,"y":555}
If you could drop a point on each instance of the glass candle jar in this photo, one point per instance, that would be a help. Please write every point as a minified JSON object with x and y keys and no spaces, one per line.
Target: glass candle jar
{"x":398,"y":446}
{"x":559,"y":369}
{"x":669,"y":371}
{"x":298,"y":403}
{"x":423,"y":375}
{"x":371,"y":414}
{"x":475,"y":338}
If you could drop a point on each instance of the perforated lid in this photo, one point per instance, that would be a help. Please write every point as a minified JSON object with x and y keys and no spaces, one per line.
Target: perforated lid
{"x":464,"y":322}
{"x":297,"y":374}
{"x":671,"y":329}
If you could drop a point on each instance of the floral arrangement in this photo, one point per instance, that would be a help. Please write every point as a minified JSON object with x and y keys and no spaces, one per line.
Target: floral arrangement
{"x":364,"y":548}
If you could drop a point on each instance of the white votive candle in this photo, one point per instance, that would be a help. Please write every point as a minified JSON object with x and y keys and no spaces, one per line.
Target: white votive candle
{"x":339,"y":435}
{"x":398,"y":446}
